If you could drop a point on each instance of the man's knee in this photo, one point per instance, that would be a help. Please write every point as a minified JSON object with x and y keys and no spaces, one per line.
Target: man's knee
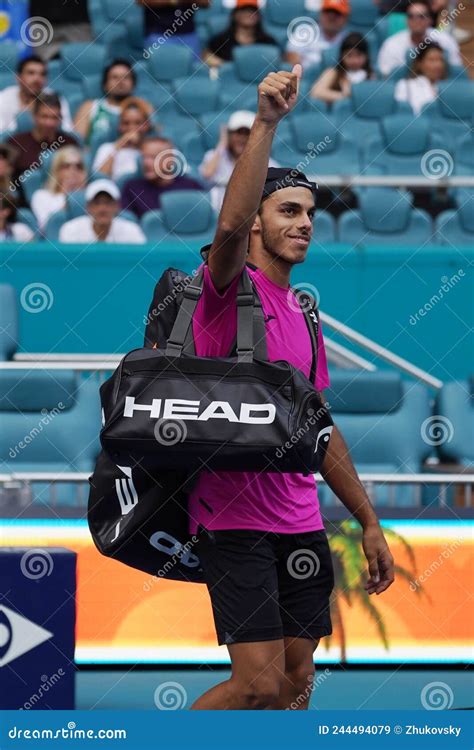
{"x":300,"y":679}
{"x":262,"y":691}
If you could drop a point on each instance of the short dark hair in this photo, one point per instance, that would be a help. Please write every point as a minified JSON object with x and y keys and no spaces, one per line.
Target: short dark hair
{"x":419,"y":2}
{"x":49,"y":100}
{"x":31,"y":59}
{"x":7,"y":201}
{"x":118,"y":61}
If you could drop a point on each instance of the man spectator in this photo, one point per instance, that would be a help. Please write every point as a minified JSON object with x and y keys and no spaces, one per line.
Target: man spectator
{"x":159,"y":162}
{"x":31,"y":76}
{"x":70,"y":22}
{"x":101,"y":224}
{"x":393,"y":52}
{"x":218,"y":163}
{"x":46,"y":137}
{"x":172,"y":22}
{"x":7,"y":166}
{"x":308,"y":49}
{"x":95,"y":115}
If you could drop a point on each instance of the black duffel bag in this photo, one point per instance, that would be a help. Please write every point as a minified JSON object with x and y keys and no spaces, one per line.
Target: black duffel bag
{"x":169,"y":409}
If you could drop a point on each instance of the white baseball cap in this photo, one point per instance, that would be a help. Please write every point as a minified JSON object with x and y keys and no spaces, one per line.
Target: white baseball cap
{"x":102,"y":186}
{"x":241,"y":119}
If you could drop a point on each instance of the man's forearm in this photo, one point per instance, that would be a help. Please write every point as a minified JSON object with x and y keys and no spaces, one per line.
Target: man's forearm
{"x":340,"y":474}
{"x":245,"y":187}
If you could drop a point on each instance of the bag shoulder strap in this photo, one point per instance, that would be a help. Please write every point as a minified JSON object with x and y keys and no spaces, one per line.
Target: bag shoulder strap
{"x":309,"y":308}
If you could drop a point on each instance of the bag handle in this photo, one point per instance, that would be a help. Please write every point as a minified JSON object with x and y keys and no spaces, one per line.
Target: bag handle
{"x":251,"y":339}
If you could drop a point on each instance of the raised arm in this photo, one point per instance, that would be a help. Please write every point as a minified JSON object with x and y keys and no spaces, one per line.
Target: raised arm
{"x":277,"y":95}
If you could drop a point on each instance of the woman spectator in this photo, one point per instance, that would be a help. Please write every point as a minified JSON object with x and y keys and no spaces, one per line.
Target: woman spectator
{"x":119,"y":158}
{"x":353,"y":67}
{"x":245,"y":28}
{"x":427,"y":70}
{"x":67,"y":174}
{"x":10,"y":229}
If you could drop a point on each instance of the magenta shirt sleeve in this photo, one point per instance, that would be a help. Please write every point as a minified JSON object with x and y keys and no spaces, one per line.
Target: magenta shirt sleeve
{"x":322,"y":374}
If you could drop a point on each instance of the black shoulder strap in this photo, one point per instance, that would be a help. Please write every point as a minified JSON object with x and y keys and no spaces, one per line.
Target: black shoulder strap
{"x":311,"y":314}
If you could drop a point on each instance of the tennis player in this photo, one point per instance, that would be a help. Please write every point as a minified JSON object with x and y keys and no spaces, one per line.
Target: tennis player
{"x":261,"y":539}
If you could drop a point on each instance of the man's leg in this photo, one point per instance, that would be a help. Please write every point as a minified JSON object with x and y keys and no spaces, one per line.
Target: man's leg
{"x":258,"y":673}
{"x":297,"y":685}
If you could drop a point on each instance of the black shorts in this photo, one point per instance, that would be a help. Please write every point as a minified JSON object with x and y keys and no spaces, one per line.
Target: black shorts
{"x":265,"y":586}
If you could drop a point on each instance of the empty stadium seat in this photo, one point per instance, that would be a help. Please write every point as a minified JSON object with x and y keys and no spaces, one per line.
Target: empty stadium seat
{"x":185,"y":215}
{"x":241,"y":77}
{"x":278,"y":14}
{"x":361,"y":113}
{"x":196,"y":95}
{"x":456,"y":227}
{"x":464,"y":154}
{"x":380,"y":416}
{"x":60,"y":414}
{"x":401,"y":145}
{"x":82,"y":59}
{"x":324,"y":228}
{"x":170,"y":61}
{"x":452,"y":113}
{"x":455,"y":403}
{"x":26,"y":216}
{"x":385,"y":216}
{"x":8,"y":322}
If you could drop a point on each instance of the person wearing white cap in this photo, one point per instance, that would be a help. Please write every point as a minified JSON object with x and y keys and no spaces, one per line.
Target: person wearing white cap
{"x":218,"y":163}
{"x":101,"y":223}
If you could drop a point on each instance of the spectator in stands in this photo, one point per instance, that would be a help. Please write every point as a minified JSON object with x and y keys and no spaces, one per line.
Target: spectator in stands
{"x":67,"y":174}
{"x":160,"y":166}
{"x":218,"y":163}
{"x":70,"y":22}
{"x":121,"y":157}
{"x":308,"y":49}
{"x":7,"y":165}
{"x":46,"y":136}
{"x":172,"y":22}
{"x":353,"y":67}
{"x":393,"y":52}
{"x":10,"y":229}
{"x":421,"y":87}
{"x":95,"y":115}
{"x":245,"y":28}
{"x":31,"y":76}
{"x":101,"y":224}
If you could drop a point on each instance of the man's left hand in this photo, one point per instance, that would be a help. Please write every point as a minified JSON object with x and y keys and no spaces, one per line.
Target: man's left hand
{"x":379,"y":558}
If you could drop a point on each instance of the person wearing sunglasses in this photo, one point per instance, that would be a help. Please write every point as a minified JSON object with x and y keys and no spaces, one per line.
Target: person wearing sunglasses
{"x":420,"y":32}
{"x":68,"y":173}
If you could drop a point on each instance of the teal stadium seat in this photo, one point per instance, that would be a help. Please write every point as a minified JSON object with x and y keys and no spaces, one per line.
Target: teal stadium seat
{"x":170,"y":61}
{"x":277,"y":16}
{"x":26,"y":216}
{"x":241,"y":77}
{"x":452,"y":113}
{"x":385,"y":217}
{"x":60,"y":414}
{"x":8,"y":56}
{"x":456,"y":227}
{"x":196,"y":96}
{"x":185,"y":216}
{"x":362,"y":112}
{"x":380,"y":416}
{"x":8,"y":322}
{"x":324,"y":229}
{"x":464,"y":154}
{"x":82,"y":59}
{"x":455,"y":403}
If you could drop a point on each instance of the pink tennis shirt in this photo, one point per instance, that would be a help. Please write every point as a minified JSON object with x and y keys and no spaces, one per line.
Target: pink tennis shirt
{"x":283,"y":503}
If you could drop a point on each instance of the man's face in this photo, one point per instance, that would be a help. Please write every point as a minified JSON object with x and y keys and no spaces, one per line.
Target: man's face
{"x":32,"y":78}
{"x":119,"y":83}
{"x":285,"y":223}
{"x":158,"y":160}
{"x":6,"y":168}
{"x":103,"y":209}
{"x":419,"y":19}
{"x":332,"y":22}
{"x":48,"y":121}
{"x":238,"y":140}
